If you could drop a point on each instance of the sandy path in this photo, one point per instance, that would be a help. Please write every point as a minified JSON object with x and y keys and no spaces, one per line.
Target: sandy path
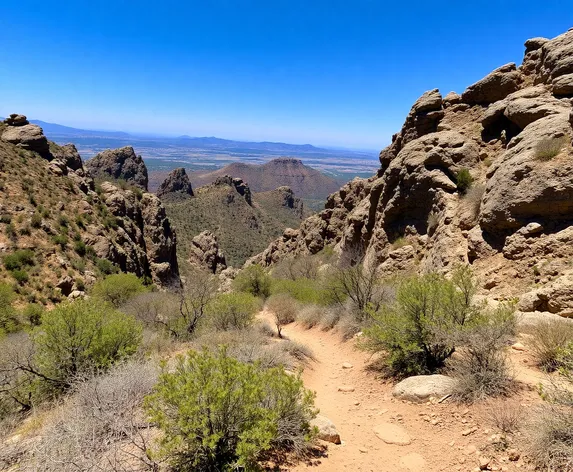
{"x":437,"y":442}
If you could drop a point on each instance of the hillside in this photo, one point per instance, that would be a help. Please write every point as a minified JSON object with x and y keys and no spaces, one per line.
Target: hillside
{"x":59,"y":231}
{"x":244,"y":223}
{"x":483,"y":178}
{"x":305,"y":182}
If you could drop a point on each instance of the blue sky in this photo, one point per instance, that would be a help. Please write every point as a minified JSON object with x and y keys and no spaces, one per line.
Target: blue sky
{"x":327,"y":72}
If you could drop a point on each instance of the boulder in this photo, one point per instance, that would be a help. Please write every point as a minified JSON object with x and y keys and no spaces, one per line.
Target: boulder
{"x":420,"y":388}
{"x":119,"y":164}
{"x":16,"y":120}
{"x":493,"y":87}
{"x":30,"y":137}
{"x":177,"y":182}
{"x":204,"y":252}
{"x":326,"y":429}
{"x":563,"y":85}
{"x":429,"y":101}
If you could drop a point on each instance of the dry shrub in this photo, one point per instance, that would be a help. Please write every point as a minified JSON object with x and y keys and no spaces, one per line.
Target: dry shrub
{"x":101,"y":426}
{"x":549,"y":338}
{"x":548,"y":148}
{"x":504,"y":415}
{"x":550,"y":438}
{"x":300,"y":352}
{"x":310,"y":316}
{"x":349,"y":326}
{"x":284,"y":309}
{"x":472,"y":199}
{"x":331,"y":318}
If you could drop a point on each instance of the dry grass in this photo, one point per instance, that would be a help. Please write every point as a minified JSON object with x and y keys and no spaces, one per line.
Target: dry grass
{"x":548,"y":148}
{"x":311,"y":316}
{"x":284,"y":309}
{"x":472,"y":199}
{"x":549,"y":338}
{"x":505,"y":415}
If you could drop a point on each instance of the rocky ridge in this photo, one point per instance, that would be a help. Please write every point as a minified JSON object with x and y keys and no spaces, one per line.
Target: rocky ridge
{"x":177,"y":182}
{"x":512,"y":130}
{"x":50,"y":197}
{"x":119,"y":164}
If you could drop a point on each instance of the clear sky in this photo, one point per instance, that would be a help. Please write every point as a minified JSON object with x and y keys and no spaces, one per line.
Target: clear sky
{"x":326,"y":72}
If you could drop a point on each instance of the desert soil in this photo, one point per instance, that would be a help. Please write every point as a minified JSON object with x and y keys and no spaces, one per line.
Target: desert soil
{"x":438,"y":433}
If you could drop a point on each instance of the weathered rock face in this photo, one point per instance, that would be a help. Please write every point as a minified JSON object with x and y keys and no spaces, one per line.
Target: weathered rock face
{"x":120,"y":163}
{"x":205,"y":253}
{"x":177,"y":182}
{"x":25,"y":135}
{"x":241,"y":187}
{"x":286,"y":195}
{"x":512,"y":131}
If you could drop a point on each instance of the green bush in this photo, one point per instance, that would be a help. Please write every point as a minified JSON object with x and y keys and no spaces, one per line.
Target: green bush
{"x":464,"y":180}
{"x":105,"y":266}
{"x":307,"y":291}
{"x":61,"y":240}
{"x":78,"y":337}
{"x":8,"y":317}
{"x":19,"y":259}
{"x":33,"y":313}
{"x":80,"y":248}
{"x":232,"y":311}
{"x":253,"y":280}
{"x":21,"y":276}
{"x":117,"y":289}
{"x":218,"y":414}
{"x":416,"y":331}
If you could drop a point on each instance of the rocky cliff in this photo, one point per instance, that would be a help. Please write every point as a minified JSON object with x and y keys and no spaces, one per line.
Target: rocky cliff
{"x":76,"y":230}
{"x":119,"y":164}
{"x":483,"y":178}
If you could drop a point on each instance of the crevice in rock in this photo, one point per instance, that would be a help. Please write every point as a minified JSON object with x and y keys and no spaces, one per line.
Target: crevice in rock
{"x":497,"y":126}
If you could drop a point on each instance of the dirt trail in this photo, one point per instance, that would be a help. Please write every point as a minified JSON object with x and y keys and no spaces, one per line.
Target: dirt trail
{"x":435,"y":430}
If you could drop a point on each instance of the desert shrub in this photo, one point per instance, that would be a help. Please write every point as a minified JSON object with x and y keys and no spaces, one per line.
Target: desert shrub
{"x":11,"y":232}
{"x":77,"y":337}
{"x":106,"y":267}
{"x":464,"y":180}
{"x":294,"y":268}
{"x":549,"y":339}
{"x":6,"y":219}
{"x":348,"y":325}
{"x":253,"y":280}
{"x":8,"y":316}
{"x":300,"y":352}
{"x":302,"y":289}
{"x":21,"y":276}
{"x":117,"y":289}
{"x":481,"y":368}
{"x":61,"y":240}
{"x":19,"y":259}
{"x":548,"y":148}
{"x":80,"y":284}
{"x":284,"y":309}
{"x":25,"y":231}
{"x":415,"y":332}
{"x":80,"y":248}
{"x":232,"y":311}
{"x":331,"y":318}
{"x":505,"y":416}
{"x":217,"y":413}
{"x":33,"y":313}
{"x":100,"y":426}
{"x":472,"y":199}
{"x":310,"y":316}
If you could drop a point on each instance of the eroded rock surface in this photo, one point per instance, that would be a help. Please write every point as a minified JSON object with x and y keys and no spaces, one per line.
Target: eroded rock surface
{"x":119,"y":164}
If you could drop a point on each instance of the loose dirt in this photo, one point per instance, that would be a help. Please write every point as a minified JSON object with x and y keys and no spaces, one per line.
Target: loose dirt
{"x":429,"y":437}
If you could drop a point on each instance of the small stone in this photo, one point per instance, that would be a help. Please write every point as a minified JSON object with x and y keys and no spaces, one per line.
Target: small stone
{"x":469,"y":450}
{"x":362,"y":450}
{"x":469,"y":431}
{"x":346,"y":389}
{"x":513,"y":454}
{"x":518,"y":347}
{"x":484,"y":463}
{"x":347,"y":365}
{"x":392,"y":434}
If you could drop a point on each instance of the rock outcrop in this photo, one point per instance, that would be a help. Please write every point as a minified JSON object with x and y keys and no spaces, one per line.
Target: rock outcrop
{"x":241,"y":187}
{"x":205,"y":253}
{"x":177,"y":183}
{"x":512,"y":132}
{"x":420,"y":388}
{"x":25,"y":135}
{"x":119,"y":164}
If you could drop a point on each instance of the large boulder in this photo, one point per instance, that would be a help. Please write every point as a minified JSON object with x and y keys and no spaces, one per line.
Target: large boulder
{"x":420,"y":388}
{"x":25,"y":135}
{"x":205,"y":253}
{"x":119,"y":164}
{"x":494,"y":86}
{"x":177,"y":182}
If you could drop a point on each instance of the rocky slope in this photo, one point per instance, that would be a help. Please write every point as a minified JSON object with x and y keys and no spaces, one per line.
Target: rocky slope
{"x":242,"y":222}
{"x":304,"y":181}
{"x":74,"y":229}
{"x":512,"y":131}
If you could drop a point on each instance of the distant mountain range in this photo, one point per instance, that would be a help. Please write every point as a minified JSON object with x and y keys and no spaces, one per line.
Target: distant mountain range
{"x":54,"y":131}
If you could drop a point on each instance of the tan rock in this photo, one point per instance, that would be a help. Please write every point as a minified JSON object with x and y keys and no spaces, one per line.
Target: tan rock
{"x":392,"y":434}
{"x":326,"y":429}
